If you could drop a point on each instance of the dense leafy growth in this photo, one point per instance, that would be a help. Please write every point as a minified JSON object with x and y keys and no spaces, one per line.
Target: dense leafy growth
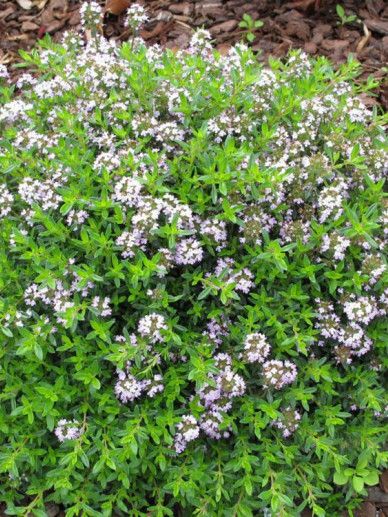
{"x":192,"y":311}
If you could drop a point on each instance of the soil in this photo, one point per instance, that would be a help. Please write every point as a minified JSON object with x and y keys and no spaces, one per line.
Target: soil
{"x":312,"y":25}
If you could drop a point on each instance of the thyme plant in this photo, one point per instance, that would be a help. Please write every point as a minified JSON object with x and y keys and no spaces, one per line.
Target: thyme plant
{"x":192,"y":281}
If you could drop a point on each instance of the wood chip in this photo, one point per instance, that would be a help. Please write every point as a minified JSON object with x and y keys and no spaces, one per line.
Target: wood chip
{"x":310,"y":47}
{"x":6,"y":13}
{"x":223,"y":27}
{"x":298,"y":28}
{"x":183,"y":8}
{"x":117,"y":6}
{"x":376,"y":495}
{"x":384,"y":481}
{"x":367,"y":509}
{"x":29,"y":26}
{"x":18,"y":37}
{"x":334,"y":44}
{"x":302,"y":4}
{"x":160,"y":27}
{"x":379,"y":26}
{"x":375,"y":7}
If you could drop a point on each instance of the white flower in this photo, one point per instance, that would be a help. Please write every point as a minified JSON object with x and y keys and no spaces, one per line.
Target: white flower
{"x":256,"y":348}
{"x":136,"y":16}
{"x":188,"y":251}
{"x":6,"y":200}
{"x":68,"y":430}
{"x":150,"y":327}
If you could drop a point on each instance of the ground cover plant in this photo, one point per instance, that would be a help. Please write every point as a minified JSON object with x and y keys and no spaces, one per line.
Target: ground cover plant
{"x":193,"y":282}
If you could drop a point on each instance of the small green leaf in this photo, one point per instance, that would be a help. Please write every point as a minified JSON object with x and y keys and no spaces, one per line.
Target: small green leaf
{"x":6,"y":331}
{"x":98,"y":466}
{"x":358,"y":484}
{"x":248,"y":486}
{"x":371,"y":479}
{"x":38,"y":351}
{"x":340,"y":10}
{"x":340,"y":478}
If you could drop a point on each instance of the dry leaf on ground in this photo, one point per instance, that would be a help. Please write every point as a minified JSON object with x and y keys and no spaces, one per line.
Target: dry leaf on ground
{"x":364,"y":40}
{"x":117,"y":6}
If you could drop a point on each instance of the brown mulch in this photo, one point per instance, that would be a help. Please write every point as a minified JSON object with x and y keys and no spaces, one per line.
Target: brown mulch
{"x":312,"y":25}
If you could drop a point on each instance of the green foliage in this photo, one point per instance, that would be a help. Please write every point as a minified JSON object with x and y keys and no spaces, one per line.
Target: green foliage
{"x":251,"y":25}
{"x":345,"y":18}
{"x":71,"y":132}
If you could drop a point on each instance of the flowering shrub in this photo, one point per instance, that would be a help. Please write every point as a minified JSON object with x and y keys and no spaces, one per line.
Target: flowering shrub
{"x":192,"y":282}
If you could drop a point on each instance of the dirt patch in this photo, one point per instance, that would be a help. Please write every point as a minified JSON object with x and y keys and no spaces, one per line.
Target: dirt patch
{"x":312,"y":25}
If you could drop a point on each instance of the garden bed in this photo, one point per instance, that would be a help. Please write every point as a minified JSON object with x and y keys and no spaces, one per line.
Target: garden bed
{"x":285,"y":25}
{"x":171,"y":25}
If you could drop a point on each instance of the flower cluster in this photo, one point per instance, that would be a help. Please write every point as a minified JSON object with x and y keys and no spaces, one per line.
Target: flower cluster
{"x":350,"y":338}
{"x":187,"y":431}
{"x":277,"y":374}
{"x":4,"y":74}
{"x":130,"y":383}
{"x":102,"y":305}
{"x":150,"y":327}
{"x":242,"y":280}
{"x":68,"y":430}
{"x":361,"y":310}
{"x":216,"y":330}
{"x":335,"y":244}
{"x":373,"y":268}
{"x":210,"y":425}
{"x":256,"y":348}
{"x":41,"y":193}
{"x":288,"y":423}
{"x":188,"y":251}
{"x":91,"y":14}
{"x":331,"y":200}
{"x":6,"y":200}
{"x":217,"y":397}
{"x":215,"y":230}
{"x":76,"y":218}
{"x":136,"y":16}
{"x":188,"y":233}
{"x":128,"y":387}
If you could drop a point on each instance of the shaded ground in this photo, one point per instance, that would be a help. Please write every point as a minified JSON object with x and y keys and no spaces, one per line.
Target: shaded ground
{"x":286,"y":25}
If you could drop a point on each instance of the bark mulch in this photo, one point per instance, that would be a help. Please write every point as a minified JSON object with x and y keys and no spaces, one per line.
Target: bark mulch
{"x":312,"y":25}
